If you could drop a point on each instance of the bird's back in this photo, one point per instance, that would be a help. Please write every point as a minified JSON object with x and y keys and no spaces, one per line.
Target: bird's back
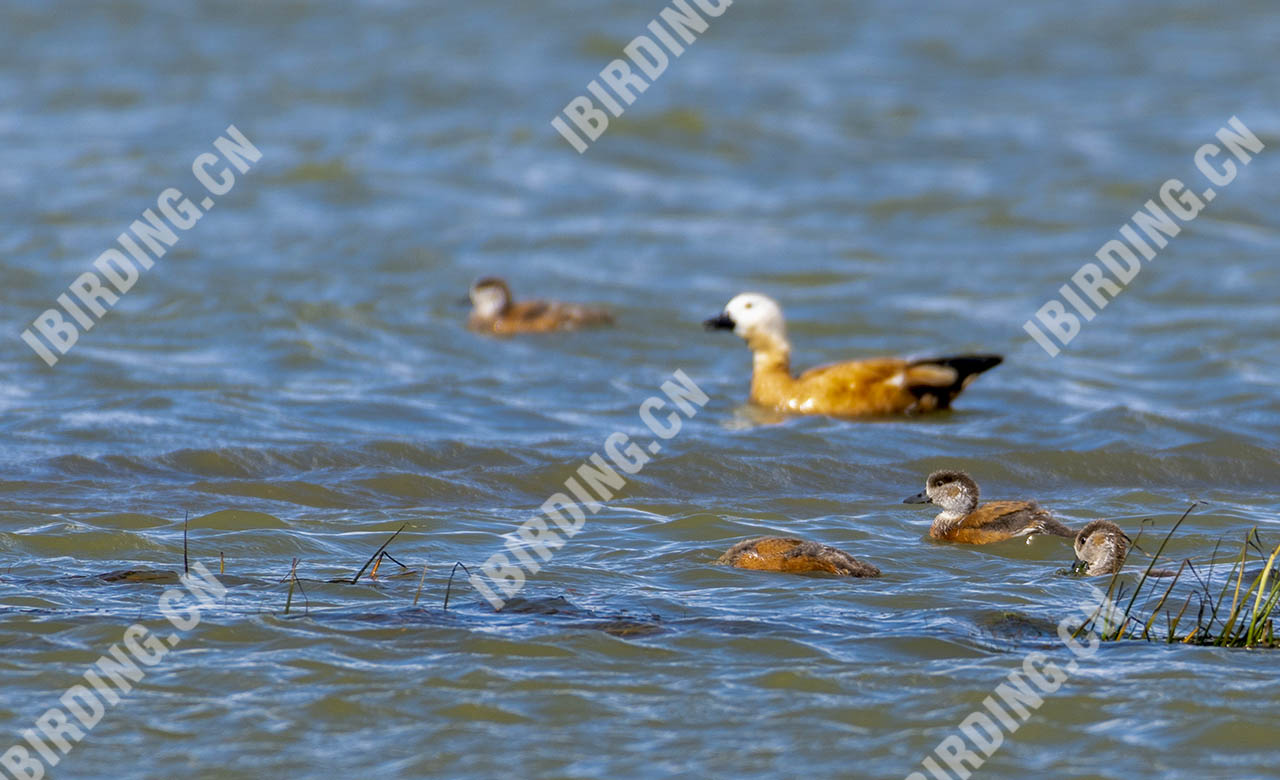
{"x":999,"y":520}
{"x":795,"y":556}
{"x":877,"y":386}
{"x":543,"y":317}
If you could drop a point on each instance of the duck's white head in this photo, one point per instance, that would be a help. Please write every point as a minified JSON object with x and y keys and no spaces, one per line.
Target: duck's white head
{"x":489,"y":297}
{"x":754,"y":317}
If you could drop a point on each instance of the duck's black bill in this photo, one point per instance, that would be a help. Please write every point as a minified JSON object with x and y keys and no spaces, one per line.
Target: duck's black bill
{"x":463,"y":301}
{"x":722,"y":322}
{"x":1079,"y":567}
{"x":919,"y":498}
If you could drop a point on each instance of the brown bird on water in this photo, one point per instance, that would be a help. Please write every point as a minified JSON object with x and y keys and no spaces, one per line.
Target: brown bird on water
{"x":493,"y":310}
{"x":880,"y":386}
{"x":963,"y":520}
{"x":794,"y":556}
{"x":1101,"y":548}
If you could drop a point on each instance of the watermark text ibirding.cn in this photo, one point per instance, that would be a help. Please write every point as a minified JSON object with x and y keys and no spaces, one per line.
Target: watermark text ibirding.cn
{"x":82,"y":706}
{"x":146,"y":240}
{"x":1017,"y":697}
{"x":650,"y":58}
{"x":596,"y":480}
{"x":1120,"y":257}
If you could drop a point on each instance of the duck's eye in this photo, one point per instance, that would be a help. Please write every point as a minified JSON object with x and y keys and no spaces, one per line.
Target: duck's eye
{"x":748,"y":306}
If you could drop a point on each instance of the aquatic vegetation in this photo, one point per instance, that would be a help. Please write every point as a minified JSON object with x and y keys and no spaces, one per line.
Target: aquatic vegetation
{"x":1247,"y":621}
{"x":376,"y":558}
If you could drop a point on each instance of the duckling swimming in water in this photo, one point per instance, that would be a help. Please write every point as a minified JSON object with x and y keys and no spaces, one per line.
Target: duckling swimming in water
{"x":494,"y":311}
{"x":962,"y":520}
{"x":794,"y":556}
{"x":855,"y":388}
{"x":1101,"y":548}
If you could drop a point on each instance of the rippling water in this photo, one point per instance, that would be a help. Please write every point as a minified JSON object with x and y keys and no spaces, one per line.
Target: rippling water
{"x":295,"y":375}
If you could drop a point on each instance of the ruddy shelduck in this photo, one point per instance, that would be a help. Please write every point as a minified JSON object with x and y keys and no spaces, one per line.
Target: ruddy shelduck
{"x":795,"y":556}
{"x":963,"y":520}
{"x":493,"y":310}
{"x":879,"y":386}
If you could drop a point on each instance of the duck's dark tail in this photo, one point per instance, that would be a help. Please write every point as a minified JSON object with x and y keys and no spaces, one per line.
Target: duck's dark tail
{"x":949,"y":377}
{"x":965,"y":365}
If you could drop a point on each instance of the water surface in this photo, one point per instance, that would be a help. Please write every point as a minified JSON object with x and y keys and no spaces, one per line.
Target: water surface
{"x":295,"y":375}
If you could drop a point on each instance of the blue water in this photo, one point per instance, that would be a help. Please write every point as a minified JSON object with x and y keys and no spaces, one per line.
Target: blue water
{"x":296,"y":376}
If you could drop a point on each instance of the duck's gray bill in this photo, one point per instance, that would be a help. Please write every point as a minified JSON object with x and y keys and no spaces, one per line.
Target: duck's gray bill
{"x":722,"y":322}
{"x":919,"y":498}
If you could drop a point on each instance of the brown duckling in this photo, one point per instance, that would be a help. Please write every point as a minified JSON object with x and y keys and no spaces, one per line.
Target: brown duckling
{"x":495,"y":311}
{"x":963,"y":520}
{"x":794,"y":556}
{"x":1101,"y":548}
{"x":880,"y":386}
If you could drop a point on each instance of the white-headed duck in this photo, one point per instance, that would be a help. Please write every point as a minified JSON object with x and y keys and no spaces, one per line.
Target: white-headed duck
{"x":494,"y":311}
{"x":794,"y":556}
{"x":879,"y":386}
{"x":962,"y":520}
{"x":1101,"y":548}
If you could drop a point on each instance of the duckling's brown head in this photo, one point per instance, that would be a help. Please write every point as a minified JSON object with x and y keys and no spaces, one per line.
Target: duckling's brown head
{"x":954,"y":491}
{"x":1101,"y":548}
{"x":490,"y":297}
{"x":756,"y":318}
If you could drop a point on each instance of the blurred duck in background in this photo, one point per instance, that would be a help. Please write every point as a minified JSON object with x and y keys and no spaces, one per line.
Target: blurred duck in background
{"x":880,"y":386}
{"x":493,"y":310}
